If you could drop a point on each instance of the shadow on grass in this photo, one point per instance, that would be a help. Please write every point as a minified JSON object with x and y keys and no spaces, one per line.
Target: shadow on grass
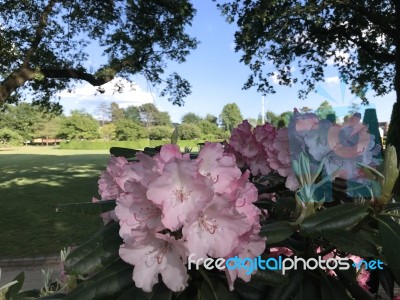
{"x":31,"y":186}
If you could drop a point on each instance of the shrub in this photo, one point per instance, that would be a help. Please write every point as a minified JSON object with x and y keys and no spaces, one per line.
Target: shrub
{"x":128,"y":130}
{"x":189,"y":132}
{"x":160,"y":133}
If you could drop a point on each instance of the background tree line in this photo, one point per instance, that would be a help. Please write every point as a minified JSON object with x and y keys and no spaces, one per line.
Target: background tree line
{"x":22,"y":123}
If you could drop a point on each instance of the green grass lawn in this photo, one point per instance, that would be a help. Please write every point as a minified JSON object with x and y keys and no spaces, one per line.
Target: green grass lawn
{"x":33,"y":181}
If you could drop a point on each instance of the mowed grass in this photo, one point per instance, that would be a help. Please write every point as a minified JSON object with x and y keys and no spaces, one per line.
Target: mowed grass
{"x":33,"y":181}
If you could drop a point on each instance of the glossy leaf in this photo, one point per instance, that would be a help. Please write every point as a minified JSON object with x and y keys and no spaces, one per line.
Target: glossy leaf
{"x":332,"y":288}
{"x":218,"y":291}
{"x":353,"y":243}
{"x":390,"y":237}
{"x":286,"y":292}
{"x":392,"y":206}
{"x":12,"y":292}
{"x":348,"y":278}
{"x":124,"y":152}
{"x":95,"y":253}
{"x":87,"y":207}
{"x":268,"y":277}
{"x":335,"y":219}
{"x":109,"y":283}
{"x":277,"y":231}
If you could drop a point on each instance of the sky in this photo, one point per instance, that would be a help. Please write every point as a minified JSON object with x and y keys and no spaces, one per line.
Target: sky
{"x":217,"y":78}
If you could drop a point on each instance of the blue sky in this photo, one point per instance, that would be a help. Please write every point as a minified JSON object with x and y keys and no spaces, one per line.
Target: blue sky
{"x":217,"y":77}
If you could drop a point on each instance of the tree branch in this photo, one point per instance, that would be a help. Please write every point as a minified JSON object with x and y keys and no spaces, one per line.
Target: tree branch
{"x":39,"y":32}
{"x":19,"y":77}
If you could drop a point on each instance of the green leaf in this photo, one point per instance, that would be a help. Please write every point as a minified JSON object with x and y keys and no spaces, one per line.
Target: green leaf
{"x":217,"y":291}
{"x":277,"y":231}
{"x":347,"y":278}
{"x":392,"y":206}
{"x":95,"y":253}
{"x":87,"y":207}
{"x":390,"y":237}
{"x":286,"y":292}
{"x":12,"y":292}
{"x":124,"y":152}
{"x":175,"y":136}
{"x":307,"y":291}
{"x":332,"y":288}
{"x":107,"y":284}
{"x":53,"y":297}
{"x":30,"y":294}
{"x":268,"y":277}
{"x":335,"y":219}
{"x":250,"y":291}
{"x":353,"y":243}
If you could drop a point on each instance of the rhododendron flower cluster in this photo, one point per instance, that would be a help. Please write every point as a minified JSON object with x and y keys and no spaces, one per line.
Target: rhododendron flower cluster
{"x":252,"y":147}
{"x":169,"y":206}
{"x":265,"y":149}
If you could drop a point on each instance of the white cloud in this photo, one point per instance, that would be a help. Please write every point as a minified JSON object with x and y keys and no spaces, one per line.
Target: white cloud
{"x":87,"y":97}
{"x":332,"y":80}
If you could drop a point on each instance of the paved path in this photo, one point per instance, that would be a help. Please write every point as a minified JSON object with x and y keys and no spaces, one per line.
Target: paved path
{"x":32,"y":268}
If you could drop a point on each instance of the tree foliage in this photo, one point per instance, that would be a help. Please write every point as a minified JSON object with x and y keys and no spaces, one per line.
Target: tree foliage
{"x":230,"y":116}
{"x":79,"y":126}
{"x":23,"y":119}
{"x":324,"y":110}
{"x":359,"y":37}
{"x":160,"y":132}
{"x":189,"y":131}
{"x":45,"y":45}
{"x":128,"y":130}
{"x":151,"y":116}
{"x":191,"y":118}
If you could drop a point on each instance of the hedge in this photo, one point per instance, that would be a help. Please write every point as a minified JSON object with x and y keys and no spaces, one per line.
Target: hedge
{"x":138,"y":144}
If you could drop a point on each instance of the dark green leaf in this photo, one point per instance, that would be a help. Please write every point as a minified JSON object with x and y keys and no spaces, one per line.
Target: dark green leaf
{"x":250,"y":291}
{"x":96,"y":253}
{"x":268,"y":277}
{"x":349,"y":279}
{"x":353,"y":243}
{"x":124,"y":152}
{"x":286,"y":292}
{"x":335,"y":219}
{"x":387,"y":281}
{"x":12,"y":292}
{"x":107,"y":284}
{"x":87,"y":207}
{"x":392,"y":206}
{"x":307,"y":291}
{"x":31,"y":294}
{"x":277,"y":231}
{"x":218,"y":291}
{"x":390,"y":236}
{"x":54,"y":297}
{"x":332,"y":288}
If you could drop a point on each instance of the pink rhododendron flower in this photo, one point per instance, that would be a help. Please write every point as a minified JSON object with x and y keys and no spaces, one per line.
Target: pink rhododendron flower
{"x":157,"y":254}
{"x":215,"y":231}
{"x":169,"y":206}
{"x":280,"y":159}
{"x":250,"y":245}
{"x":181,"y":192}
{"x":277,"y":251}
{"x":251,"y":146}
